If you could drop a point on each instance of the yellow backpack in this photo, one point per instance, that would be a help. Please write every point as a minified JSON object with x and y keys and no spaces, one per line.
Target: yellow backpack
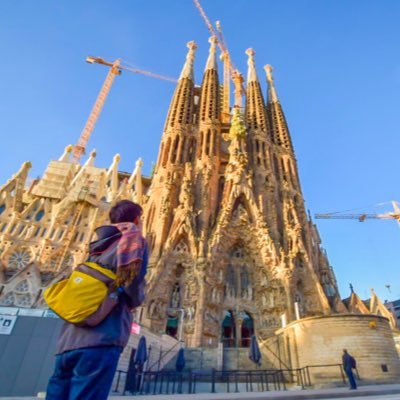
{"x":82,"y":298}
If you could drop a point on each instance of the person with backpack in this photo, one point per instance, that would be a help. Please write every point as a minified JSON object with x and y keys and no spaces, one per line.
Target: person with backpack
{"x":87,"y":352}
{"x":349,"y":363}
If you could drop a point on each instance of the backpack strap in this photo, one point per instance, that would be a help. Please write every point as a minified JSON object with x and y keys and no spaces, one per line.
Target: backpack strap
{"x":96,"y":271}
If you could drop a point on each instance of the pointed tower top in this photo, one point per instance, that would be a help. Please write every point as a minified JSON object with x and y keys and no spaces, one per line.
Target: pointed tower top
{"x":139,"y":163}
{"x":90,"y":160}
{"x":272,"y":96}
{"x":67,"y":153}
{"x":114,"y":164}
{"x":251,"y":72}
{"x":187,"y":71}
{"x":212,"y":57}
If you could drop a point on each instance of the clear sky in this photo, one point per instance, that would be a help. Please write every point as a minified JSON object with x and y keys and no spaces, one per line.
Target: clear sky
{"x":337,"y":72}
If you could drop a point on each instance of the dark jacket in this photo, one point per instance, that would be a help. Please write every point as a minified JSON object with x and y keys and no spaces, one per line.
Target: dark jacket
{"x":348,"y":361}
{"x":115,"y":329}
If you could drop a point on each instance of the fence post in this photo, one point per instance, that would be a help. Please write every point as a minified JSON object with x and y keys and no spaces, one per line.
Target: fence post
{"x":300,"y":375}
{"x":341,"y":371}
{"x":213,"y":380}
{"x":283,"y":380}
{"x":159,"y":359}
{"x":117,"y":383}
{"x":236,"y":383}
{"x":190,"y":382}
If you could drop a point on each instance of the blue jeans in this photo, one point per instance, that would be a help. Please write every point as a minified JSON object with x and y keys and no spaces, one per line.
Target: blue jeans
{"x":350,"y":375}
{"x":84,"y":374}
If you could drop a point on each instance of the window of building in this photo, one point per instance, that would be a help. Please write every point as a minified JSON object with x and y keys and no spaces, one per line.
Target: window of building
{"x":39,"y":215}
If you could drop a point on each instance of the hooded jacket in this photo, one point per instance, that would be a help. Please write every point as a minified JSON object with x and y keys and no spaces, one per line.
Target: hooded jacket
{"x":115,"y":329}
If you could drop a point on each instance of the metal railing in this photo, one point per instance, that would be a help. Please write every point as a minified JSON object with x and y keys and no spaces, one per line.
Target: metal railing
{"x":226,"y":381}
{"x":163,"y":354}
{"x":187,"y":382}
{"x":306,"y":372}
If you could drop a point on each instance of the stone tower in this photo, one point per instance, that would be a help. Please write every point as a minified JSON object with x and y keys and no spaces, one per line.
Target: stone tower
{"x":232,"y":248}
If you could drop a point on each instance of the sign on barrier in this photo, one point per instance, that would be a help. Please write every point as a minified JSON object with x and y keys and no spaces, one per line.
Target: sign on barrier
{"x":7,"y":323}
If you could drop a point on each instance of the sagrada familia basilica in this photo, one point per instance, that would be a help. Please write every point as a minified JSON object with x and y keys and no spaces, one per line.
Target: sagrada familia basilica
{"x":233,"y":249}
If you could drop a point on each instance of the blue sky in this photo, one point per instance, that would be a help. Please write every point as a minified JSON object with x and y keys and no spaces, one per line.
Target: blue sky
{"x":337,"y":72}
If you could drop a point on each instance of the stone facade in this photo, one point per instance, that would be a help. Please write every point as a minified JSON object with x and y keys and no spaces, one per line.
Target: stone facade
{"x":231,"y":243}
{"x":46,"y":224}
{"x":233,"y":251}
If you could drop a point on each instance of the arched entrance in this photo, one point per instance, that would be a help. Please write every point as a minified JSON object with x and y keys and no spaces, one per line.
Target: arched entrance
{"x":229,"y":330}
{"x":172,"y":326}
{"x":247,"y":330}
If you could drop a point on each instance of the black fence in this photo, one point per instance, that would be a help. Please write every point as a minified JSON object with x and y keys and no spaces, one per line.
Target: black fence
{"x":212,"y":381}
{"x":187,"y":382}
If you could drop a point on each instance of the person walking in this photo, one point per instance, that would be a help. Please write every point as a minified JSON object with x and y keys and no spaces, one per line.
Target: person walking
{"x":87,"y":356}
{"x":349,"y":363}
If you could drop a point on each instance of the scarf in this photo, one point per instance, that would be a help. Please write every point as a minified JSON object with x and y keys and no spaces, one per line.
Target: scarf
{"x":120,"y":247}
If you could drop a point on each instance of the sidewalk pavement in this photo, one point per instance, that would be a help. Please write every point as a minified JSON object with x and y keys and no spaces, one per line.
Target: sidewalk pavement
{"x":334,"y":393}
{"x":372,"y":392}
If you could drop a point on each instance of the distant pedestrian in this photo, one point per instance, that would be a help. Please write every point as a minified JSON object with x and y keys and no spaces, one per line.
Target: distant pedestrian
{"x":349,"y":363}
{"x":87,"y":356}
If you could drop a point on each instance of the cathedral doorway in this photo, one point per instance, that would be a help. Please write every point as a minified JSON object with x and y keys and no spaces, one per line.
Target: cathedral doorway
{"x":229,"y":330}
{"x":172,"y":326}
{"x":247,"y":330}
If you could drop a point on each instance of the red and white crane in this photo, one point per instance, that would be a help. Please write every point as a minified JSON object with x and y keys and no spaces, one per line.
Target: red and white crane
{"x":116,"y":68}
{"x":230,"y":71}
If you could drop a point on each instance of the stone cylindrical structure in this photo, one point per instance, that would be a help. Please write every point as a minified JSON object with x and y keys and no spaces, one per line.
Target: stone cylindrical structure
{"x":321,"y":340}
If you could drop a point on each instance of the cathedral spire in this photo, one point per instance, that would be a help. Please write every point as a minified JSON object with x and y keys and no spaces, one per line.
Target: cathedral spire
{"x":209,"y":109}
{"x":255,"y":105}
{"x":251,"y":72}
{"x":187,"y":70}
{"x":279,"y":127}
{"x":181,"y":109}
{"x":208,"y":143}
{"x":272,"y":96}
{"x":212,"y":57}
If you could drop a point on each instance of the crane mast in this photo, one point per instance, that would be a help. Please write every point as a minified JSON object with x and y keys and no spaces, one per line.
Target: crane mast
{"x":80,"y":147}
{"x":229,"y":69}
{"x":115,"y":69}
{"x":227,"y":77}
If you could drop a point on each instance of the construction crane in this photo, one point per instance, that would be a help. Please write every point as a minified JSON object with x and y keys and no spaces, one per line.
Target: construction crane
{"x":230,"y":71}
{"x":227,"y":75}
{"x":116,"y":68}
{"x":362,"y":217}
